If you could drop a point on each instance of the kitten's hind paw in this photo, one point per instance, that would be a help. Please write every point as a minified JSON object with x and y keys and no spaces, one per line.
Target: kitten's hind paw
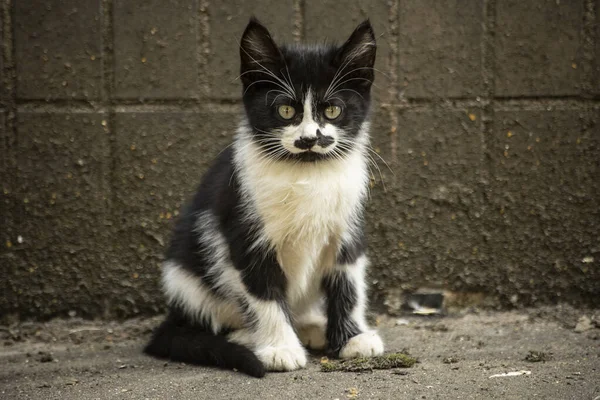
{"x":284,"y":358}
{"x":364,"y":345}
{"x":312,"y":336}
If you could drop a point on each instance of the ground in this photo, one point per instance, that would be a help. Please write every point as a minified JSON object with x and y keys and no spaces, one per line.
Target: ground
{"x":458,"y":355}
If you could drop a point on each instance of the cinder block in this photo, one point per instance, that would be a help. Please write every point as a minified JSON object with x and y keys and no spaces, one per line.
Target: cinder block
{"x":5,"y":178}
{"x":334,"y":21}
{"x":3,"y":91}
{"x":424,"y":225}
{"x":62,"y":177}
{"x":227,"y":22}
{"x":440,"y":48}
{"x":156,"y":49}
{"x":381,"y":133}
{"x":438,"y":147}
{"x":58,"y":49}
{"x":429,"y":148}
{"x":57,"y":219}
{"x":596,"y":80}
{"x":538,"y":47}
{"x":4,"y":150}
{"x":3,"y":141}
{"x":6,"y":181}
{"x":5,"y":206}
{"x":542,"y":218}
{"x":55,"y":282}
{"x":160,"y":159}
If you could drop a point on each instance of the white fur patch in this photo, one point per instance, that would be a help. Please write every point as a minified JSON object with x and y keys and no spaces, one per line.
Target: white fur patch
{"x":272,"y":325}
{"x":305,"y":211}
{"x":356,"y":275}
{"x":186,"y":290}
{"x":272,"y":338}
{"x":311,"y":328}
{"x":308,"y":129}
{"x":303,"y":208}
{"x":282,"y":358}
{"x":364,"y":345}
{"x":215,"y":248}
{"x":313,"y":336}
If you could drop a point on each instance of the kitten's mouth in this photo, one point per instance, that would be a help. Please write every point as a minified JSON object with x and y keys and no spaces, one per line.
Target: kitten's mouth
{"x":309,"y":156}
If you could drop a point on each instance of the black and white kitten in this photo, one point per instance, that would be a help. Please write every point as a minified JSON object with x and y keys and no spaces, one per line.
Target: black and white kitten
{"x":270,"y":254}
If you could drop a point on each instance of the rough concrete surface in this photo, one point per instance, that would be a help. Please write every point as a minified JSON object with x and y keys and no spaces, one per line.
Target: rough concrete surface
{"x":59,"y":49}
{"x":538,"y":47}
{"x":440,"y":51}
{"x":224,"y":26}
{"x":485,"y":130}
{"x":458,"y":355}
{"x":156,"y":60}
{"x":333,"y":22}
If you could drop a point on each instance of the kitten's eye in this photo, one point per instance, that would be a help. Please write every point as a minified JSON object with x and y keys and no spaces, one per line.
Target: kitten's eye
{"x":286,"y":112}
{"x":332,"y":112}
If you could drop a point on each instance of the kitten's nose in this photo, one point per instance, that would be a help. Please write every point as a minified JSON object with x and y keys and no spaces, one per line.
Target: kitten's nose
{"x":306,"y":142}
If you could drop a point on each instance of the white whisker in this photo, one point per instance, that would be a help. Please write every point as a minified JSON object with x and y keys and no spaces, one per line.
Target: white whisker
{"x":285,"y":85}
{"x":335,"y":81}
{"x":349,"y":90}
{"x":262,"y":81}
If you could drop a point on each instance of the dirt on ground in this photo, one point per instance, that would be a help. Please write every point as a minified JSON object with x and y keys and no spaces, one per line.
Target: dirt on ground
{"x":546,"y":353}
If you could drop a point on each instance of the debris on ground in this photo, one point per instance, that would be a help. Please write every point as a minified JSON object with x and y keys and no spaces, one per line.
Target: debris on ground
{"x":45,"y":357}
{"x":352,"y":393}
{"x":420,"y":310}
{"x":512,"y":373}
{"x":437,"y":328}
{"x":400,"y":372}
{"x":387,"y":361}
{"x":426,"y":302}
{"x":584,"y":324}
{"x":71,"y":381}
{"x":450,"y":360}
{"x":538,"y":356}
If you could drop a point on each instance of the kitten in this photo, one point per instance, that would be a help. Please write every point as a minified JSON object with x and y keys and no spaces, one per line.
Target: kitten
{"x":270,"y":254}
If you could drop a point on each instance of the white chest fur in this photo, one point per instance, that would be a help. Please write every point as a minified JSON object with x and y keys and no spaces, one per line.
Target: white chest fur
{"x":304,"y":210}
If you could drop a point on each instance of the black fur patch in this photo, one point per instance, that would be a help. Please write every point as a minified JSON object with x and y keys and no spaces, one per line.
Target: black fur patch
{"x":179,"y":337}
{"x":340,"y":299}
{"x":266,"y":67}
{"x":185,"y":247}
{"x":354,"y":248}
{"x":178,"y":340}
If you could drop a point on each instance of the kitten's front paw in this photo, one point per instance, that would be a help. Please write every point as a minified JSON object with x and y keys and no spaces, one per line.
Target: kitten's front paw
{"x":364,"y":345}
{"x":312,"y":336}
{"x":282,"y":358}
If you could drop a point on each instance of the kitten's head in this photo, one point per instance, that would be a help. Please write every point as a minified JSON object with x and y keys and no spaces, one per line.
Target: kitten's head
{"x":307,"y":103}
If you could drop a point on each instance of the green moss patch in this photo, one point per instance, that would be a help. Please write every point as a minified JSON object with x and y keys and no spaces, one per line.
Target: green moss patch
{"x":386,"y":361}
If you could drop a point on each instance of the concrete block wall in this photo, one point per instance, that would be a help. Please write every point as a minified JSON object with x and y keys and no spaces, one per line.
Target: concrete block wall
{"x":486,"y":114}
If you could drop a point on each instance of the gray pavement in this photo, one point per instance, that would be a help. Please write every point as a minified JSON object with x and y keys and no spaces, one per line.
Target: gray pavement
{"x":75,"y":359}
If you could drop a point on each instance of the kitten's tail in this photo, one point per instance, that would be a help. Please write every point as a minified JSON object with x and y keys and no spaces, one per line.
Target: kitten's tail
{"x":190,"y":345}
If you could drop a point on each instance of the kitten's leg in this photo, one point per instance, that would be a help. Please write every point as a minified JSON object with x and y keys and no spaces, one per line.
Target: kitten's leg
{"x":271,"y":335}
{"x":348,"y":334}
{"x":269,"y":330}
{"x":311,"y":327}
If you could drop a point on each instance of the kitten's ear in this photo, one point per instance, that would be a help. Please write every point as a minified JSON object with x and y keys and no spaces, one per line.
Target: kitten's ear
{"x":359,"y":51}
{"x":257,"y":52}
